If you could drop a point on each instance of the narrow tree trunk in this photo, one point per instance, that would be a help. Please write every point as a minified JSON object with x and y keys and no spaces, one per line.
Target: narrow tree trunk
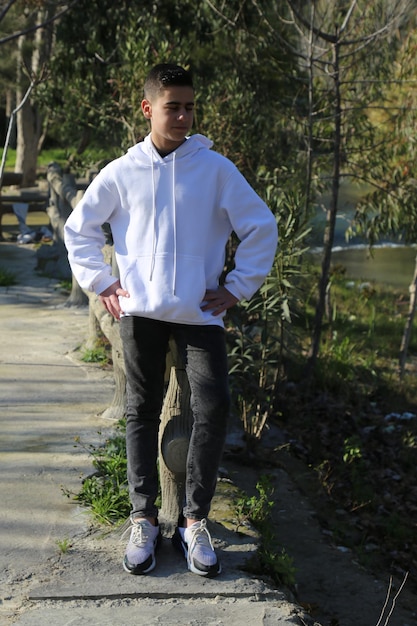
{"x":405,"y":342}
{"x":27,"y":141}
{"x":28,"y":119}
{"x":310,"y":128}
{"x":34,"y":49}
{"x":330,"y":219}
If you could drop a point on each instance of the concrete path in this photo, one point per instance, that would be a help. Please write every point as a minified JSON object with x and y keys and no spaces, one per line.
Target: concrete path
{"x":48,"y":398}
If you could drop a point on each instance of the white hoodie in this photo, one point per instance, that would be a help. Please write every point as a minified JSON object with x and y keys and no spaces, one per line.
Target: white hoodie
{"x":171,"y":219}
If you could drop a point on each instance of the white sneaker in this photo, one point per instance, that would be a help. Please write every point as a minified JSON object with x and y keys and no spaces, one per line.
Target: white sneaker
{"x":140,"y":551}
{"x":196,"y":544}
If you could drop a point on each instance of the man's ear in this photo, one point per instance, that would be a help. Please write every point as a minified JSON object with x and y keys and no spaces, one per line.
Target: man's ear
{"x":146,"y":109}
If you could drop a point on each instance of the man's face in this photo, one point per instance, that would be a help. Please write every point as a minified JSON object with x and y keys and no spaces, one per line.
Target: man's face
{"x":171,"y":116}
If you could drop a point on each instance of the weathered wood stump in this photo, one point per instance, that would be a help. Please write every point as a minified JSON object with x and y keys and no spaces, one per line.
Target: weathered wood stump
{"x":174,"y":437}
{"x":102,"y":323}
{"x":53,"y":259}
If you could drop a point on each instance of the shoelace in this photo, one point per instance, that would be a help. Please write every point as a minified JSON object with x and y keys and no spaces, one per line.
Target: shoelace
{"x":200,"y":536}
{"x":139,"y":533}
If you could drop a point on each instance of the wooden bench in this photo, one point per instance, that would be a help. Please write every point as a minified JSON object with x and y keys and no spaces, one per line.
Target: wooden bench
{"x":36,"y":200}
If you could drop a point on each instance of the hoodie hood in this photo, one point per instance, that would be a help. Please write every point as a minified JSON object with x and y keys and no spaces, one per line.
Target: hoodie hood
{"x":145,"y":152}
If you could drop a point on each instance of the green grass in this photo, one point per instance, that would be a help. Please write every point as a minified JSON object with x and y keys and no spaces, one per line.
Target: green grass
{"x":65,"y":286}
{"x":361,"y":341}
{"x":10,"y":159}
{"x":105,"y":492}
{"x":95,"y":355}
{"x":270,"y":559}
{"x":99,"y":353}
{"x":62,"y":155}
{"x":7,"y":279}
{"x":64,"y":545}
{"x":340,"y":423}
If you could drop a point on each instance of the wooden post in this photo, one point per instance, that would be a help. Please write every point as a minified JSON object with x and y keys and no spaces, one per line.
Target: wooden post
{"x":64,"y":196}
{"x":102,"y":322}
{"x":174,"y":437}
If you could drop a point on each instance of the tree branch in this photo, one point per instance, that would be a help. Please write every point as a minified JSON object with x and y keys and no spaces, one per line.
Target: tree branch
{"x":222,"y":15}
{"x":6,"y":9}
{"x":32,"y":29}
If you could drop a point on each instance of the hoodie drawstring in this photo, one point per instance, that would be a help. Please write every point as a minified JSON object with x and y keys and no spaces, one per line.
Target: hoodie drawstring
{"x":174,"y":209}
{"x":174,"y":218}
{"x":154,"y":221}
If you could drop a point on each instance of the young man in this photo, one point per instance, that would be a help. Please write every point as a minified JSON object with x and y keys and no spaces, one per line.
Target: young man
{"x":172,"y":204}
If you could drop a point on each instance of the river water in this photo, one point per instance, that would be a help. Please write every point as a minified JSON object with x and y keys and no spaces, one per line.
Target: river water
{"x":391,"y":265}
{"x":388,"y":263}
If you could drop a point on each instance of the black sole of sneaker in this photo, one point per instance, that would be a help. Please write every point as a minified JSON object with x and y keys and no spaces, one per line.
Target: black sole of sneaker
{"x":142,"y":568}
{"x":145,"y":567}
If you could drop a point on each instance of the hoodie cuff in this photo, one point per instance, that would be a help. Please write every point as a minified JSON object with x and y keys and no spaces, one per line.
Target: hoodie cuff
{"x":104,"y":283}
{"x":231,"y":287}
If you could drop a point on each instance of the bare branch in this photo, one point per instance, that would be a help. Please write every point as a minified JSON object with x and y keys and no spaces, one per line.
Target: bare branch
{"x":336,"y":37}
{"x":318,"y":32}
{"x":32,"y":29}
{"x":222,"y":15}
{"x":393,"y":600}
{"x":348,"y":16}
{"x":10,"y":127}
{"x":6,"y":9}
{"x":386,"y":601}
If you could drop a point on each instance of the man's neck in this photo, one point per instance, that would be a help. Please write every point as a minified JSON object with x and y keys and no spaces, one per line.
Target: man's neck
{"x":164,"y":152}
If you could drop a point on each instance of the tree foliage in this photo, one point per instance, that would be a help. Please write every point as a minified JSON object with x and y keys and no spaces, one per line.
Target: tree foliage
{"x":300,"y":95}
{"x":103,"y":53}
{"x":338,"y":44}
{"x":390,"y":207}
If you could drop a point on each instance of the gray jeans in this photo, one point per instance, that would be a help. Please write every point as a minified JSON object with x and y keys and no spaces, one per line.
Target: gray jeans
{"x":203,"y":349}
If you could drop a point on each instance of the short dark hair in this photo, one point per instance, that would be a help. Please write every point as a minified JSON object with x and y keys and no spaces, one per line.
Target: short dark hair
{"x":165,"y":75}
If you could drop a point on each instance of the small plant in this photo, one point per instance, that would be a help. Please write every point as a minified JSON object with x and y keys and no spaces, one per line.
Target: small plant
{"x":65,"y":286}
{"x":259,"y":330}
{"x":7,"y":279}
{"x":106,"y":497}
{"x":324,"y":472}
{"x":351,"y":449}
{"x":278,"y":564}
{"x":105,"y":492}
{"x":269,"y":560}
{"x":255,"y":509}
{"x":97,"y":354}
{"x":64,"y":545}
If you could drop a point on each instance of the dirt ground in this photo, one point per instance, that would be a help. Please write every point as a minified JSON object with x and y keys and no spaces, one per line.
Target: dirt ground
{"x":333,"y":588}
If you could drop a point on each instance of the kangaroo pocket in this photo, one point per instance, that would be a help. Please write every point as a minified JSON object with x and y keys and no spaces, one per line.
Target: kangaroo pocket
{"x":160,"y":290}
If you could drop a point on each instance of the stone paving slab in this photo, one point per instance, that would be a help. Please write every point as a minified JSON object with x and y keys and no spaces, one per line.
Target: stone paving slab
{"x":48,"y":398}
